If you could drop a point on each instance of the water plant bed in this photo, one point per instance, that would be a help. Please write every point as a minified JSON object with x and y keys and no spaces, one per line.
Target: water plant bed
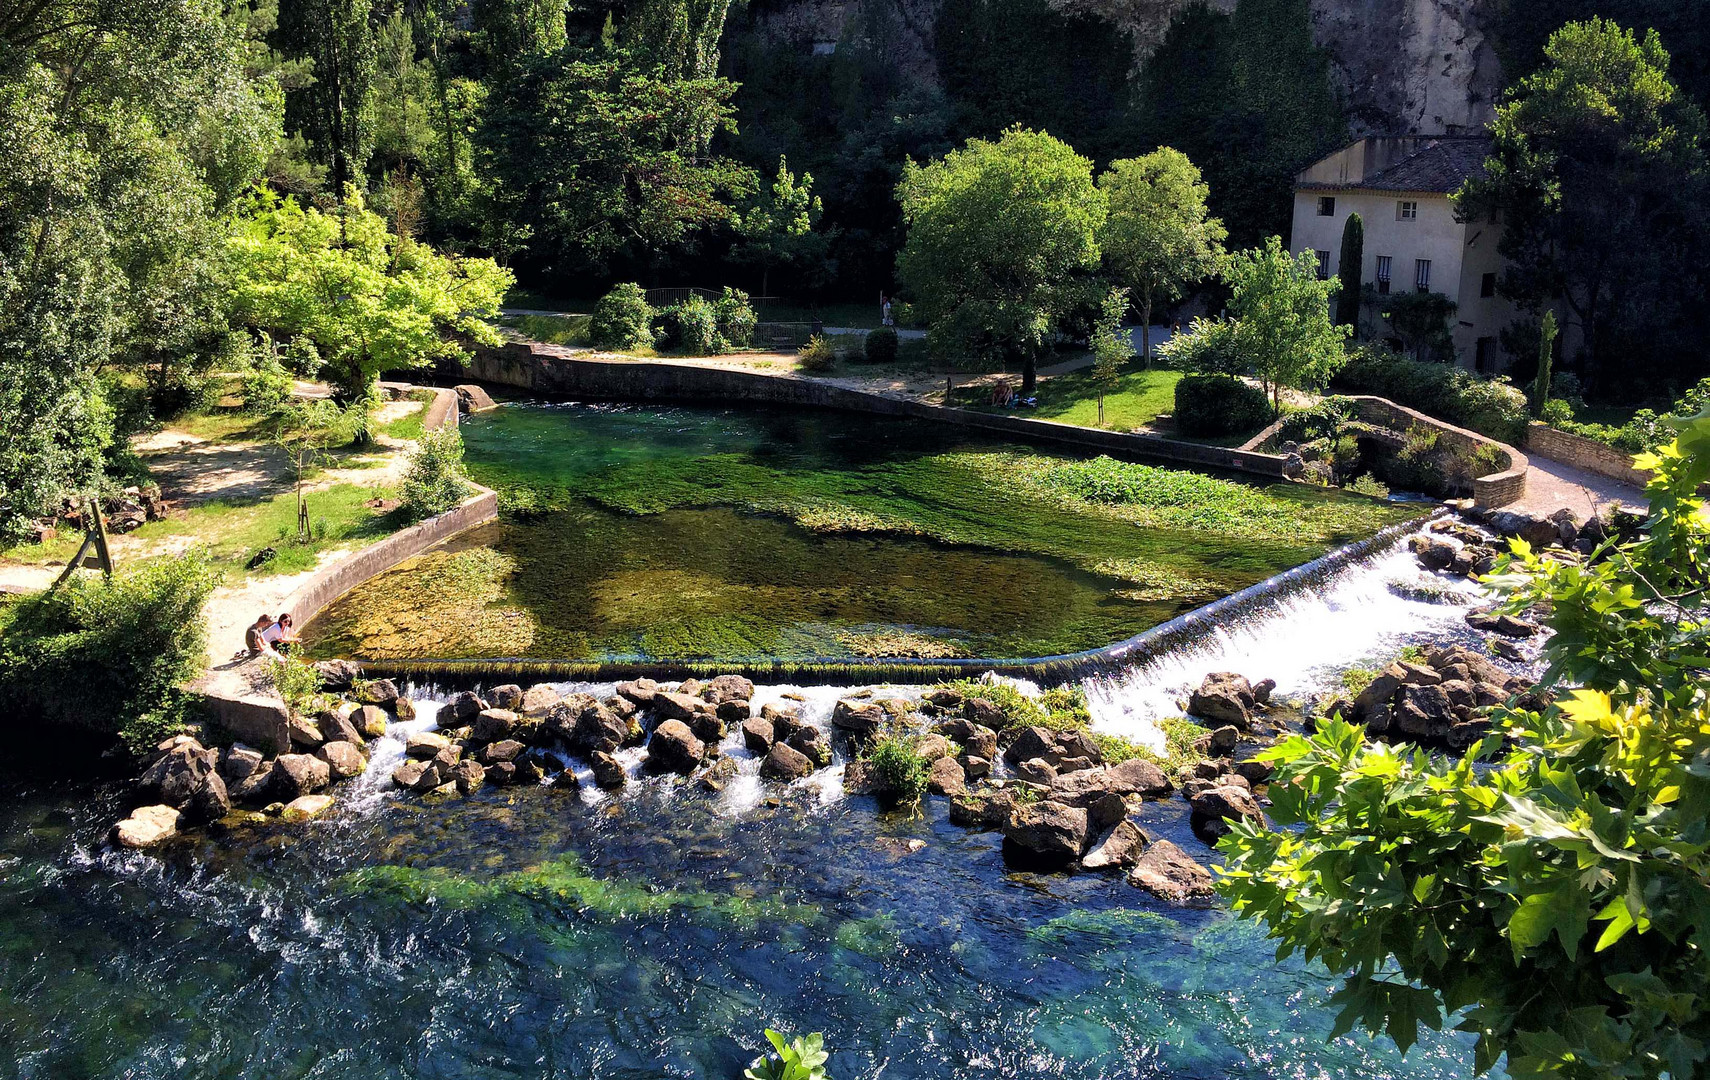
{"x":660,"y":535}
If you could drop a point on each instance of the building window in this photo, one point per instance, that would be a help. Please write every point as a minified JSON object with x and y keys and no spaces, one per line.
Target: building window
{"x":1326,"y":206}
{"x":1422,"y":274}
{"x":1484,"y":355}
{"x":1406,"y":210}
{"x":1383,"y":275}
{"x":1487,"y":285}
{"x":1323,"y":264}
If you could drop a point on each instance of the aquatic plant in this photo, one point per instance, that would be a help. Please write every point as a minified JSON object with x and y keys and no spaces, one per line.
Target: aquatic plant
{"x":797,"y":1059}
{"x":899,"y":770}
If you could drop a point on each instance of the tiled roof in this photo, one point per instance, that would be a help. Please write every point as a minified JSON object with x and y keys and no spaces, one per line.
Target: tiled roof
{"x":1440,"y":167}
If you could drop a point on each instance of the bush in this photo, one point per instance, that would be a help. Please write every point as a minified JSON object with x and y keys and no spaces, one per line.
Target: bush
{"x":1557,"y":412}
{"x":435,"y":481}
{"x":818,"y":354}
{"x":1219,"y":405}
{"x":736,"y":318}
{"x":899,"y":770}
{"x":623,"y":319}
{"x":1319,"y":421}
{"x":108,"y":656}
{"x":267,"y":384}
{"x":690,"y":328}
{"x":881,"y":346}
{"x":1492,"y":407}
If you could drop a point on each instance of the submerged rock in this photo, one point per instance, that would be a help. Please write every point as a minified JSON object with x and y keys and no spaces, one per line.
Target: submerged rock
{"x":306,"y":807}
{"x":1169,"y":873}
{"x":608,"y":771}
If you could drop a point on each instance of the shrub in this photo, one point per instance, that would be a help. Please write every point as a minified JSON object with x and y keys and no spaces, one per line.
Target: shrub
{"x":623,"y":319}
{"x":1318,"y":421}
{"x":736,"y":318}
{"x":881,"y":346}
{"x":266,"y":385}
{"x":435,"y":481}
{"x":899,"y":771}
{"x":108,"y":656}
{"x":1492,"y":407}
{"x":297,"y":684}
{"x":1219,"y":405}
{"x":1557,"y":412}
{"x":818,"y":354}
{"x":694,"y":328}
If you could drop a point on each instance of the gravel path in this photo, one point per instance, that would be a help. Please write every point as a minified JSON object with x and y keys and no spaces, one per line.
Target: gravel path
{"x":1551,"y":485}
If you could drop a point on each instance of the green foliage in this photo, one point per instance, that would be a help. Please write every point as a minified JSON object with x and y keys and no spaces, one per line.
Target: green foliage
{"x":994,"y":231}
{"x":1598,"y":172}
{"x":1210,"y":347}
{"x":435,"y":481}
{"x":1422,"y":322}
{"x":777,"y":226}
{"x":796,"y":1059}
{"x":1321,"y":420}
{"x":1489,"y":406}
{"x":1213,"y":405}
{"x":1159,"y":237}
{"x":108,"y":655}
{"x":818,"y":355}
{"x":297,"y":684}
{"x":1557,"y":413}
{"x":623,"y":319}
{"x":899,"y":770}
{"x":1558,"y":868}
{"x":1546,"y":357}
{"x":1110,"y":346}
{"x":370,"y":300}
{"x":736,"y":318}
{"x":266,"y":385}
{"x":1349,"y":266}
{"x":1281,"y":313}
{"x":880,"y":346}
{"x":690,"y":328}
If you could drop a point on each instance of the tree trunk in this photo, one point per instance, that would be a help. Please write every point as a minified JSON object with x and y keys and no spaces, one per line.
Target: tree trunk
{"x":1101,"y":408}
{"x":1029,"y":374}
{"x":1146,"y":333}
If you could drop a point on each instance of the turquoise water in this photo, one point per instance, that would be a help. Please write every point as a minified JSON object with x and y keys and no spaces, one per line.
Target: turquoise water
{"x":524,"y":933}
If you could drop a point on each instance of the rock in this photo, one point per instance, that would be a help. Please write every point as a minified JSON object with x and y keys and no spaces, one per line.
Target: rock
{"x":1077,"y":744}
{"x":1254,"y":772}
{"x":985,"y":713}
{"x":305,"y":733}
{"x":425,"y":744}
{"x":1263,"y":689}
{"x":670,"y":706}
{"x":772,"y":713}
{"x":504,"y":750}
{"x":1169,"y":873}
{"x":974,"y":766}
{"x":1228,"y":803}
{"x":337,"y":675}
{"x":1418,"y":674}
{"x":409,"y":774}
{"x":306,"y":807}
{"x":176,"y":775}
{"x":468,"y":775}
{"x":474,"y":399}
{"x":968,"y":811}
{"x":1137,"y":776}
{"x":1531,"y":528}
{"x":1506,"y":625}
{"x":448,"y":757}
{"x":1105,"y":809}
{"x":239,"y":761}
{"x":344,"y":759}
{"x":1379,"y":690}
{"x":296,"y":775}
{"x":537,"y":699}
{"x":147,"y":826}
{"x":492,"y":725}
{"x":1036,"y":770}
{"x":404,"y":709}
{"x":860,"y":717}
{"x":811,"y":742}
{"x":718,"y":775}
{"x":707,"y":726}
{"x":501,"y":773}
{"x":377,"y":692}
{"x":785,"y":762}
{"x":674,"y":748}
{"x":1032,"y":742}
{"x":728,"y":688}
{"x":734,"y":711}
{"x":858,"y":779}
{"x":1223,"y":741}
{"x":757,"y":735}
{"x":943,"y":698}
{"x":338,"y":727}
{"x":608,"y":771}
{"x":1433,"y":553}
{"x":1460,"y":693}
{"x":1047,"y":830}
{"x":370,"y":721}
{"x":640,"y":691}
{"x":508,"y":696}
{"x":946,"y":777}
{"x":256,"y":787}
{"x":462,"y":708}
{"x":1119,"y":846}
{"x":1225,"y":698}
{"x":1424,"y":712}
{"x":210,"y":801}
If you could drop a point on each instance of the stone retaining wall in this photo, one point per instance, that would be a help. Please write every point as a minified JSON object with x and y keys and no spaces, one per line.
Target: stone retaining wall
{"x":1496,"y":489}
{"x":543,"y":370}
{"x":1584,"y":453}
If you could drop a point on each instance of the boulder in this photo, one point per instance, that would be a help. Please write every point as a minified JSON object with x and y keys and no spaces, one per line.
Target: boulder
{"x":717,"y":776}
{"x":306,"y":807}
{"x":175,"y":776}
{"x":370,"y":721}
{"x":1255,"y":772}
{"x":858,"y":779}
{"x":674,"y":748}
{"x":734,"y":711}
{"x":491,"y":725}
{"x":462,"y":708}
{"x":785,"y":762}
{"x":425,"y":745}
{"x":974,"y":766}
{"x":1169,"y":873}
{"x":210,"y":801}
{"x":1424,"y":712}
{"x":147,"y":826}
{"x":1036,"y":771}
{"x":305,"y":733}
{"x":410,"y":773}
{"x":501,"y":773}
{"x":677,"y":706}
{"x":337,"y":727}
{"x":1105,"y":809}
{"x":757,"y":735}
{"x":943,"y":697}
{"x":1224,"y":697}
{"x":1077,"y":744}
{"x":344,"y":759}
{"x":1506,"y":625}
{"x":608,"y":771}
{"x":468,"y":775}
{"x":1223,"y":740}
{"x":946,"y":777}
{"x":1263,"y":689}
{"x":256,"y":787}
{"x":1032,"y":742}
{"x":505,"y":750}
{"x":527,"y":770}
{"x":640,"y":691}
{"x":508,"y":696}
{"x":1535,"y":530}
{"x":707,"y":726}
{"x":536,"y":700}
{"x":404,"y":709}
{"x":728,"y":688}
{"x":474,"y":399}
{"x":1118,"y":846}
{"x":860,"y":717}
{"x":337,"y":675}
{"x":1413,"y":674}
{"x":985,"y":713}
{"x":1137,"y":776}
{"x":932,"y":746}
{"x":1433,"y":553}
{"x":296,"y":775}
{"x":1048,"y":831}
{"x":1228,"y":803}
{"x":811,"y":742}
{"x":239,"y":761}
{"x":377,"y":692}
{"x":1379,"y":690}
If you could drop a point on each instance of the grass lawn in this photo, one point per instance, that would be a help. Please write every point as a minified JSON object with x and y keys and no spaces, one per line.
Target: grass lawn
{"x":1138,"y":399}
{"x":566,"y":329}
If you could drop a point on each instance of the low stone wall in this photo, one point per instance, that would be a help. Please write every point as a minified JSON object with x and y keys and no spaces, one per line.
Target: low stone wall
{"x":542,"y":370}
{"x":442,"y":410}
{"x":1500,"y":488}
{"x":1584,"y":453}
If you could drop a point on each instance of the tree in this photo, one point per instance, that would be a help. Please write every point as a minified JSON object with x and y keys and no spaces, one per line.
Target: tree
{"x":1158,"y":237}
{"x":1348,"y":272}
{"x":1281,"y":313}
{"x":369,"y":300}
{"x":1546,"y":356}
{"x":305,"y":429}
{"x":995,"y":230}
{"x":1550,"y":887}
{"x":777,"y":226}
{"x":334,"y":110}
{"x":1598,"y":173}
{"x":1110,"y":346}
{"x":1421,"y":321}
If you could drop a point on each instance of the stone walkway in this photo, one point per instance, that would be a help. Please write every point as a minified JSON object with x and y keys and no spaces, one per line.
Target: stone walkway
{"x":1551,"y":485}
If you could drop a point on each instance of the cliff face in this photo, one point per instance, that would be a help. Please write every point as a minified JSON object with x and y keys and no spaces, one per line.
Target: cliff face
{"x":1403,"y":66}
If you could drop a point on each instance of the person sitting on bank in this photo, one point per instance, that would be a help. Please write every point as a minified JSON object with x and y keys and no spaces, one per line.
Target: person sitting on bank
{"x":255,"y":640}
{"x":282,"y":635}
